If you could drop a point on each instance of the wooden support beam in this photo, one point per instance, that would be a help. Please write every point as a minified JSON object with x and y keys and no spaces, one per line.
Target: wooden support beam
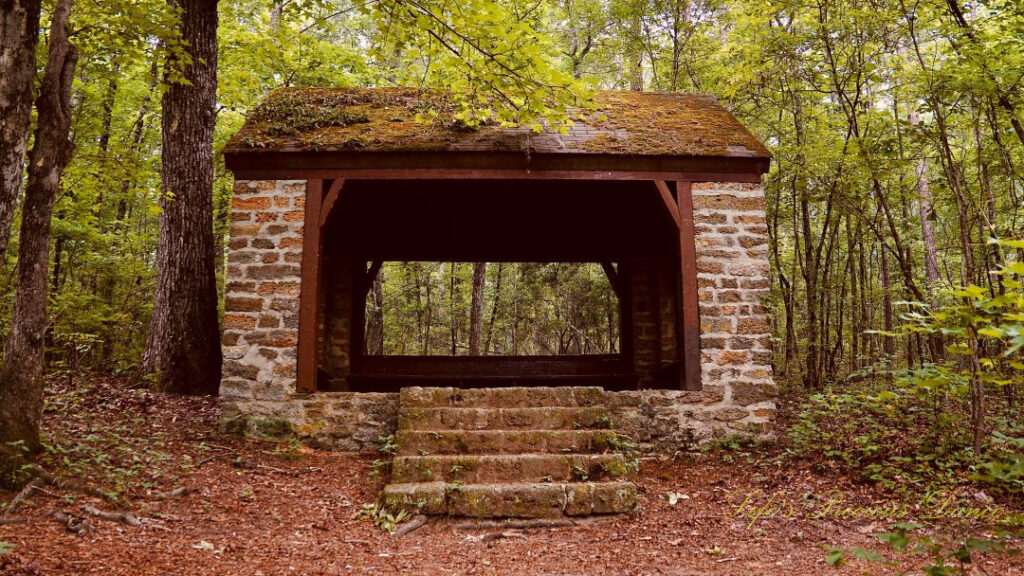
{"x":670,"y":203}
{"x":370,"y":276}
{"x":309,"y":291}
{"x":330,"y":200}
{"x":688,"y":331}
{"x":613,"y":277}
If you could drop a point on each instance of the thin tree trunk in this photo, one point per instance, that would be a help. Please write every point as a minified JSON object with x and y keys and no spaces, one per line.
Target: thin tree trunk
{"x":494,"y":308}
{"x":183,"y":351}
{"x":375,"y":320}
{"x":888,"y":345}
{"x":19,"y":33}
{"x":21,"y":377}
{"x":931,"y":261}
{"x":476,"y":309}
{"x":855,"y":328}
{"x":452,"y":325}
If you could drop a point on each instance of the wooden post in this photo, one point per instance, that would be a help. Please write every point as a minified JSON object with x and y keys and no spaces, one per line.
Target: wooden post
{"x":688,"y":331}
{"x":627,"y":347}
{"x":310,"y":290}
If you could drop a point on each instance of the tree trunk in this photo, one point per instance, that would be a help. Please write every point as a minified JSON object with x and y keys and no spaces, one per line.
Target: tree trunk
{"x":476,"y":310}
{"x":19,"y":26}
{"x":183,"y":351}
{"x":21,"y":378}
{"x":375,"y":321}
{"x":855,"y":328}
{"x":888,"y":345}
{"x":494,"y":309}
{"x":931,"y":261}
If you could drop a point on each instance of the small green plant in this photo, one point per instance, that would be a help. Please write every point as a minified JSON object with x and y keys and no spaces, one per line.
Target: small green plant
{"x":6,"y":548}
{"x":579,"y":472}
{"x":378,"y":465}
{"x":381,"y":516}
{"x":604,"y":421}
{"x":625,"y":445}
{"x":387,"y":444}
{"x":291,"y":449}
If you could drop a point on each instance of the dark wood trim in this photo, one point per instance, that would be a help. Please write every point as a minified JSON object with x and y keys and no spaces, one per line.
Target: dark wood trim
{"x":627,"y":347}
{"x":282,"y":162}
{"x":669,"y":201}
{"x":256,"y":173}
{"x":368,"y":277}
{"x":357,"y":328}
{"x":395,"y":383}
{"x":387,"y":373}
{"x":331,"y":199}
{"x":613,"y":277}
{"x":309,"y":291}
{"x":492,"y":366}
{"x":688,"y":330}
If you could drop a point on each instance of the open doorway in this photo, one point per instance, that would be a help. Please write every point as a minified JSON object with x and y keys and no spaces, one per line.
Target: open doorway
{"x":491,"y":309}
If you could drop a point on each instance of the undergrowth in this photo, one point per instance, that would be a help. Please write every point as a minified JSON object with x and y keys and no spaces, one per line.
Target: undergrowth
{"x":909,"y":436}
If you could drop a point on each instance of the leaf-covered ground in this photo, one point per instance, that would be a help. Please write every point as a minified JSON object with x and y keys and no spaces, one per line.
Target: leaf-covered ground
{"x":266,"y":507}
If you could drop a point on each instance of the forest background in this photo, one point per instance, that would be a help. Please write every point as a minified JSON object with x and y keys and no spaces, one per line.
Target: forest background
{"x":894,"y":198}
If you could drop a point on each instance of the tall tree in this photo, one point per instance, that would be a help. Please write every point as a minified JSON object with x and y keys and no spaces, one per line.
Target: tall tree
{"x":19,"y":33}
{"x":21,"y":377}
{"x":183,"y":351}
{"x":476,"y":308}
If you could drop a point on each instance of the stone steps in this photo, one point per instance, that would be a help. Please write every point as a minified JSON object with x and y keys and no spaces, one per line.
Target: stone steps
{"x":532,"y":418}
{"x":518,"y":500}
{"x":424,"y":442}
{"x":508,"y":452}
{"x":475,"y":469}
{"x":565,"y":396}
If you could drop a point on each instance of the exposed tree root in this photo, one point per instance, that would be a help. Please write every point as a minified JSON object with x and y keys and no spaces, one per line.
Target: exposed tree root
{"x":416,"y":523}
{"x":503,"y":534}
{"x":74,"y":524}
{"x":123,"y":517}
{"x":177,"y":493}
{"x":73,"y":486}
{"x":22,"y":496}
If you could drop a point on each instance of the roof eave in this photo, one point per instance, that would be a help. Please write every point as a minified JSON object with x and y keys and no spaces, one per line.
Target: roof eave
{"x":298,"y":165}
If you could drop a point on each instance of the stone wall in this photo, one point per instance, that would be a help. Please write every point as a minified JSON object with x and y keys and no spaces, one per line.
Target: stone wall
{"x":732,"y":280}
{"x":261,"y":301}
{"x":261,"y":331}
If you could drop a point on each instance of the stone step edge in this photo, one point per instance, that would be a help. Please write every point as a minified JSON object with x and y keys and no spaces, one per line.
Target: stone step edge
{"x":488,"y":500}
{"x":508,"y":397}
{"x":529,"y":441}
{"x":525,"y":467}
{"x":442,"y":418}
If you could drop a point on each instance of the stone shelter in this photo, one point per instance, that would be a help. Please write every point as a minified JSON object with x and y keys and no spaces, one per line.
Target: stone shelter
{"x":663,"y":190}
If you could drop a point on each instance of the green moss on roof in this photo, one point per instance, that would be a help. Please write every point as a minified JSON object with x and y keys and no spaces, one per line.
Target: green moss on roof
{"x":412,"y":120}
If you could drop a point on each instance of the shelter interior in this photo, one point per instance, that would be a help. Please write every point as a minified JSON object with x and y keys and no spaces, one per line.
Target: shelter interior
{"x":631,"y":227}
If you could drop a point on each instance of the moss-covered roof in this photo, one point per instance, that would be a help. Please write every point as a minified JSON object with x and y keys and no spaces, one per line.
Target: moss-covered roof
{"x":412,"y":120}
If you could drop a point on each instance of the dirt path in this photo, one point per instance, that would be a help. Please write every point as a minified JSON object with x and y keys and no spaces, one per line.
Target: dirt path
{"x":263,"y":508}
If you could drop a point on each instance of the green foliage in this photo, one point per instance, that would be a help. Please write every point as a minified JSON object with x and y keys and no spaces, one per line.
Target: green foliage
{"x":382,"y":517}
{"x":492,"y":55}
{"x":876,"y":444}
{"x":387,"y":444}
{"x":945,"y":557}
{"x":528,"y":308}
{"x":1004,"y":463}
